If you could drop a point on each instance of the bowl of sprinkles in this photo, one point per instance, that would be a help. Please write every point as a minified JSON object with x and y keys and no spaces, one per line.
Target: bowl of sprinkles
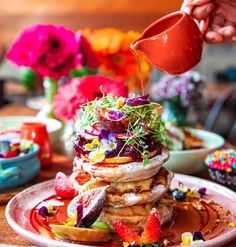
{"x":221,"y":166}
{"x":18,"y":162}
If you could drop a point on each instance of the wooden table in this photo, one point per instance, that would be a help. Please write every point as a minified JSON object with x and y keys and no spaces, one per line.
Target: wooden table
{"x":60,"y":163}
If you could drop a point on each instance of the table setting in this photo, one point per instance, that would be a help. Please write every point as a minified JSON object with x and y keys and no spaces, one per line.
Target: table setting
{"x":110,"y":159}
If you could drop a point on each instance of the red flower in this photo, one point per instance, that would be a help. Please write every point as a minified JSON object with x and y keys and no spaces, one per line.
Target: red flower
{"x":78,"y":91}
{"x":88,"y":56}
{"x":49,"y":50}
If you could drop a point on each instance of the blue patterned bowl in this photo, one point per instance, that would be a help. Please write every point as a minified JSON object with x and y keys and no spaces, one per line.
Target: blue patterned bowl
{"x":19,"y":170}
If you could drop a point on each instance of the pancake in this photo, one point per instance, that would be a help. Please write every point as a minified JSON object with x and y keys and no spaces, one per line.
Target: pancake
{"x":136,"y":216}
{"x":133,"y":171}
{"x":139,"y":192}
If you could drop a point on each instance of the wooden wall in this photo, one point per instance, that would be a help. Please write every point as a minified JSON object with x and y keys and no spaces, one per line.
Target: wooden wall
{"x":77,"y":14}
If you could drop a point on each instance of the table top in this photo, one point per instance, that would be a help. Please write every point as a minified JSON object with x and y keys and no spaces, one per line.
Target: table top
{"x":60,"y":162}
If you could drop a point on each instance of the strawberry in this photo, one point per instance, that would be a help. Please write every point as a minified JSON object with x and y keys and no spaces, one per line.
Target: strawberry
{"x":63,"y":187}
{"x":152,"y":229}
{"x":125,"y":233}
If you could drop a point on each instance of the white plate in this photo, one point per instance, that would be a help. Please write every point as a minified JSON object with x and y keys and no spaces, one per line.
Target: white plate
{"x":19,"y":208}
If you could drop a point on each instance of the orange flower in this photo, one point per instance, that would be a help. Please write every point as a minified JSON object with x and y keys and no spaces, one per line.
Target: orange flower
{"x":116,"y":58}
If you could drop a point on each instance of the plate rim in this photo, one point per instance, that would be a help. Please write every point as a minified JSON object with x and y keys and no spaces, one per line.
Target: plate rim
{"x":218,"y":241}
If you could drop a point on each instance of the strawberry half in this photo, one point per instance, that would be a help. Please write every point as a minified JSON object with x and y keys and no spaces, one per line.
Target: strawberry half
{"x":152,"y":229}
{"x":125,"y":233}
{"x":63,"y":186}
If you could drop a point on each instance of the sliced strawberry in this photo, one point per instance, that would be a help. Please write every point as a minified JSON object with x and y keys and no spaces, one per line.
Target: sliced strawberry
{"x":125,"y":233}
{"x":63,"y":187}
{"x":152,"y":229}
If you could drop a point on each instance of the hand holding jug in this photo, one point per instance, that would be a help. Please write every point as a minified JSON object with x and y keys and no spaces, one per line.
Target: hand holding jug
{"x":173,"y":43}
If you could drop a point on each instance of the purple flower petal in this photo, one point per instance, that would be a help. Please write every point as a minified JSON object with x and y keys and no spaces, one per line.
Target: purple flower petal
{"x":198,"y":236}
{"x":115,"y":115}
{"x":104,"y":134}
{"x":143,"y":100}
{"x":79,"y":215}
{"x":43,"y":211}
{"x":202,"y":191}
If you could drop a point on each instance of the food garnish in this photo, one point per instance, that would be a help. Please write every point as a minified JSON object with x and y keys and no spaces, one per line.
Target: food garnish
{"x":63,"y":186}
{"x":191,"y":239}
{"x":80,"y":233}
{"x":150,"y":234}
{"x":120,"y":127}
{"x":92,"y":201}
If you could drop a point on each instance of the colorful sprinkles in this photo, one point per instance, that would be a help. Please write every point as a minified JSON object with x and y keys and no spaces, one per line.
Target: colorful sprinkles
{"x":222,"y":160}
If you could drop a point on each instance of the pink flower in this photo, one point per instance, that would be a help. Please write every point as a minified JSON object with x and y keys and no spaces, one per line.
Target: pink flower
{"x":49,"y":50}
{"x":88,"y":56}
{"x":78,"y":91}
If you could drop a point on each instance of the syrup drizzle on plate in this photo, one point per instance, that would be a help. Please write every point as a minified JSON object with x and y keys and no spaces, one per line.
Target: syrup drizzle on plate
{"x":211,"y":219}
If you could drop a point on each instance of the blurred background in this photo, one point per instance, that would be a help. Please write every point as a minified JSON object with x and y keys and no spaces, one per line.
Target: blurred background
{"x":218,"y":66}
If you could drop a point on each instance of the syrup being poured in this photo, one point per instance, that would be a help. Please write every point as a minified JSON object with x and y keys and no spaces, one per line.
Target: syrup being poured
{"x":135,"y":52}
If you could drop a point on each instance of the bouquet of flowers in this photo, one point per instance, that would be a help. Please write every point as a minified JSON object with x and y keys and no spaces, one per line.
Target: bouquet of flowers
{"x":177,"y":94}
{"x":57,"y":55}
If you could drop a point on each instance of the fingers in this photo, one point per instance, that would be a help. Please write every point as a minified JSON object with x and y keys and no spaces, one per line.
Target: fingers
{"x":213,"y":37}
{"x":204,"y":11}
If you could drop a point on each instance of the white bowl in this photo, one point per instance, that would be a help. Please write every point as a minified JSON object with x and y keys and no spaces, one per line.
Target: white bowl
{"x":192,"y":161}
{"x":14,"y":123}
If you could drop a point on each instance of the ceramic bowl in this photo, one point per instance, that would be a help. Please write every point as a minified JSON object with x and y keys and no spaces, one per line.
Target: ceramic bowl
{"x":192,"y":161}
{"x":19,"y":170}
{"x":14,"y":123}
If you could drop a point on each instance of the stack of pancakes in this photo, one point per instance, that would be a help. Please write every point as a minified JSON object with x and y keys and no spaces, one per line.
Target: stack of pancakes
{"x":131,"y":194}
{"x":133,"y":186}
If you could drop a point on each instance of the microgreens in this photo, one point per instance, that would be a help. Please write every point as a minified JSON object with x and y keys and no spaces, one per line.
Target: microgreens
{"x":143,"y":119}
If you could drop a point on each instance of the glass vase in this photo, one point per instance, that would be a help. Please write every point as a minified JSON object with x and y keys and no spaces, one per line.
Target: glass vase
{"x":175,"y":113}
{"x":50,"y":90}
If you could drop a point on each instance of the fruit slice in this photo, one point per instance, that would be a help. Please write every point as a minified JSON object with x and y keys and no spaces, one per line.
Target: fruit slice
{"x":125,"y":233}
{"x":118,"y":160}
{"x":92,"y":201}
{"x":152,"y":229}
{"x":63,"y":186}
{"x":80,"y":234}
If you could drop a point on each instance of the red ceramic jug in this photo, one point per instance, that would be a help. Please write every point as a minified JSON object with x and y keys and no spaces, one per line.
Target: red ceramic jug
{"x":37,"y":132}
{"x":173,"y":44}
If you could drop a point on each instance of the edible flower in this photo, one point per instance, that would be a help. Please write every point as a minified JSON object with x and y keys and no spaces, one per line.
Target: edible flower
{"x":193,"y":193}
{"x":47,"y":211}
{"x":182,"y":187}
{"x":120,"y":102}
{"x":95,"y":144}
{"x":115,"y":115}
{"x":76,"y":219}
{"x":79,"y":217}
{"x":108,"y":140}
{"x":232,"y":224}
{"x":202,"y":191}
{"x":142,"y":100}
{"x":97,"y":155}
{"x":190,"y":239}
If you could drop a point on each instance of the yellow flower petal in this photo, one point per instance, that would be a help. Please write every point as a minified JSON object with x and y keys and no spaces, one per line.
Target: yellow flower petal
{"x":93,"y":145}
{"x":232,"y":224}
{"x":97,"y":156}
{"x":51,"y":210}
{"x":187,"y":239}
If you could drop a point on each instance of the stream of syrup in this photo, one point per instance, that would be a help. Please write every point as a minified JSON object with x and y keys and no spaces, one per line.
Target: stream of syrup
{"x":135,"y":52}
{"x":210,"y":219}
